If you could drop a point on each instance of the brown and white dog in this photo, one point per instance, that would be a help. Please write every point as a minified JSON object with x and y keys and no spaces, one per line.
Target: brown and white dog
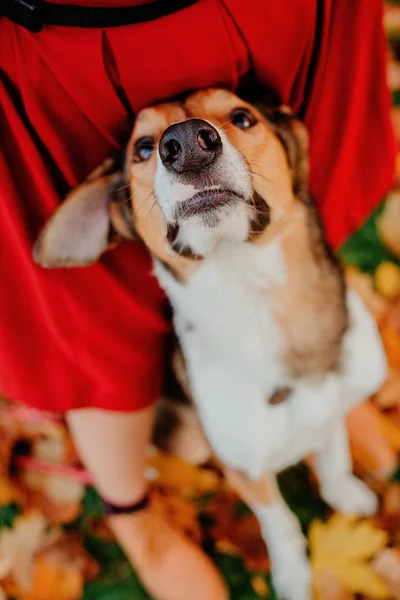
{"x":277,"y":349}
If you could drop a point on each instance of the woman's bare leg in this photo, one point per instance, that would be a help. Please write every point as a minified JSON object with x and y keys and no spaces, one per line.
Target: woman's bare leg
{"x":112,"y":447}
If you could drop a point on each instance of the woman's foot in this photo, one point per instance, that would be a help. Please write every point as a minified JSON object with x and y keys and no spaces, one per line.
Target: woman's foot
{"x":170,"y":565}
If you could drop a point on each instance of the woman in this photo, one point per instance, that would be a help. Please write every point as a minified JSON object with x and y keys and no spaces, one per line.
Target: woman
{"x":89,"y":343}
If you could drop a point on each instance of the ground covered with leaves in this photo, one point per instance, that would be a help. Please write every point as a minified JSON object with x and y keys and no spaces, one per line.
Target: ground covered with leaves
{"x":55,"y":545}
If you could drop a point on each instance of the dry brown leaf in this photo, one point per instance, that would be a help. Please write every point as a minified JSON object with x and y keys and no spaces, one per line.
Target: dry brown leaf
{"x":19,"y":545}
{"x":389,"y":517}
{"x":391,"y":499}
{"x":68,"y":549}
{"x":180,"y":512}
{"x":55,"y":567}
{"x":237,"y":536}
{"x":58,"y":498}
{"x":343,"y":547}
{"x":387,"y":565}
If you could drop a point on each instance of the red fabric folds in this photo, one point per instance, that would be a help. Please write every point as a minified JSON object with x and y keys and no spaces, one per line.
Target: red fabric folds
{"x":94,"y":337}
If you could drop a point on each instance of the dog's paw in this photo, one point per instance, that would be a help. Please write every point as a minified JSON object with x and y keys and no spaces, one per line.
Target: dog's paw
{"x":350,"y":496}
{"x":292,"y":578}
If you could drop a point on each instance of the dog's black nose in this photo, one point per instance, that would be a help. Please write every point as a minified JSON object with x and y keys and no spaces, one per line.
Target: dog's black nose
{"x":190,"y":145}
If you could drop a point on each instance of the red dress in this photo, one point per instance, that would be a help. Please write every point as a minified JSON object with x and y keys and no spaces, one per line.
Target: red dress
{"x":94,"y":337}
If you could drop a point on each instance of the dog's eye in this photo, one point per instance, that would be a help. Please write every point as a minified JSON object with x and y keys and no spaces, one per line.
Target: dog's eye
{"x":143,"y":149}
{"x":243,"y":118}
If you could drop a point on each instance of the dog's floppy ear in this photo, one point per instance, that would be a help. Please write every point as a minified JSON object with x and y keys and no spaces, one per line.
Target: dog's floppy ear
{"x":293,"y":136}
{"x":94,"y":217}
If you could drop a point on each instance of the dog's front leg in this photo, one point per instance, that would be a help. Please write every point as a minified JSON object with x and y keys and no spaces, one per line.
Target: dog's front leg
{"x":281,"y":532}
{"x":339,"y":487}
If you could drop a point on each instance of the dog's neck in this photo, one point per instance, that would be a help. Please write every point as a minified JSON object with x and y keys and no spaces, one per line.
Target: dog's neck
{"x":310,"y":308}
{"x":291,"y":265}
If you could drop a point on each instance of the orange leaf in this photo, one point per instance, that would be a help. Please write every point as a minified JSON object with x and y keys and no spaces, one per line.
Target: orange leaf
{"x":171,"y":471}
{"x":372,"y":453}
{"x":389,"y":394}
{"x":54,"y":581}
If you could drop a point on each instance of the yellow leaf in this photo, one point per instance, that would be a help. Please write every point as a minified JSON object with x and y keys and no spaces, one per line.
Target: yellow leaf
{"x":390,"y":432}
{"x":55,"y":581}
{"x":387,"y":280}
{"x":170,"y":471}
{"x":343,"y":547}
{"x":9,"y":492}
{"x":260,"y":586}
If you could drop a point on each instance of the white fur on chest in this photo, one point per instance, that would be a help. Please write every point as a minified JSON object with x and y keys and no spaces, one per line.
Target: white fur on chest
{"x":223,"y":312}
{"x":232,"y":348}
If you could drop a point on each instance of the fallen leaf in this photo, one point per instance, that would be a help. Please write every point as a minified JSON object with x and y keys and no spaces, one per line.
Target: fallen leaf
{"x":387,"y":565}
{"x":391,"y":499}
{"x":52,"y":581}
{"x":389,"y":394}
{"x":260,"y":586}
{"x":68,"y":549}
{"x":180,"y":512}
{"x":235,"y":534}
{"x":18,"y":547}
{"x":390,"y":431}
{"x":45,"y":565}
{"x":372,"y":454}
{"x":9,"y":492}
{"x":389,"y":516}
{"x":58,"y":498}
{"x":327,"y":587}
{"x":173,"y":472}
{"x":342,"y":547}
{"x":387,"y":280}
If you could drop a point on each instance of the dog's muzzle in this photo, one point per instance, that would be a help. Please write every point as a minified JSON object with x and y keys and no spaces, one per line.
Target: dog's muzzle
{"x":190,"y":146}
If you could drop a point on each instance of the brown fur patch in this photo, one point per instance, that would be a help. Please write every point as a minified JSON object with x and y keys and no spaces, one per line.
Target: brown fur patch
{"x":280,"y":395}
{"x":310,"y":307}
{"x":261,"y":218}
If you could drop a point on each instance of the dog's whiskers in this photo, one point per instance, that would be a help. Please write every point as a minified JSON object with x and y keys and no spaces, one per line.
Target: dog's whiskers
{"x":260,"y":175}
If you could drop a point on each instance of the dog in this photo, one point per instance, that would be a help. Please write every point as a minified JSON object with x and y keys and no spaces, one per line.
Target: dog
{"x":277,"y":349}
